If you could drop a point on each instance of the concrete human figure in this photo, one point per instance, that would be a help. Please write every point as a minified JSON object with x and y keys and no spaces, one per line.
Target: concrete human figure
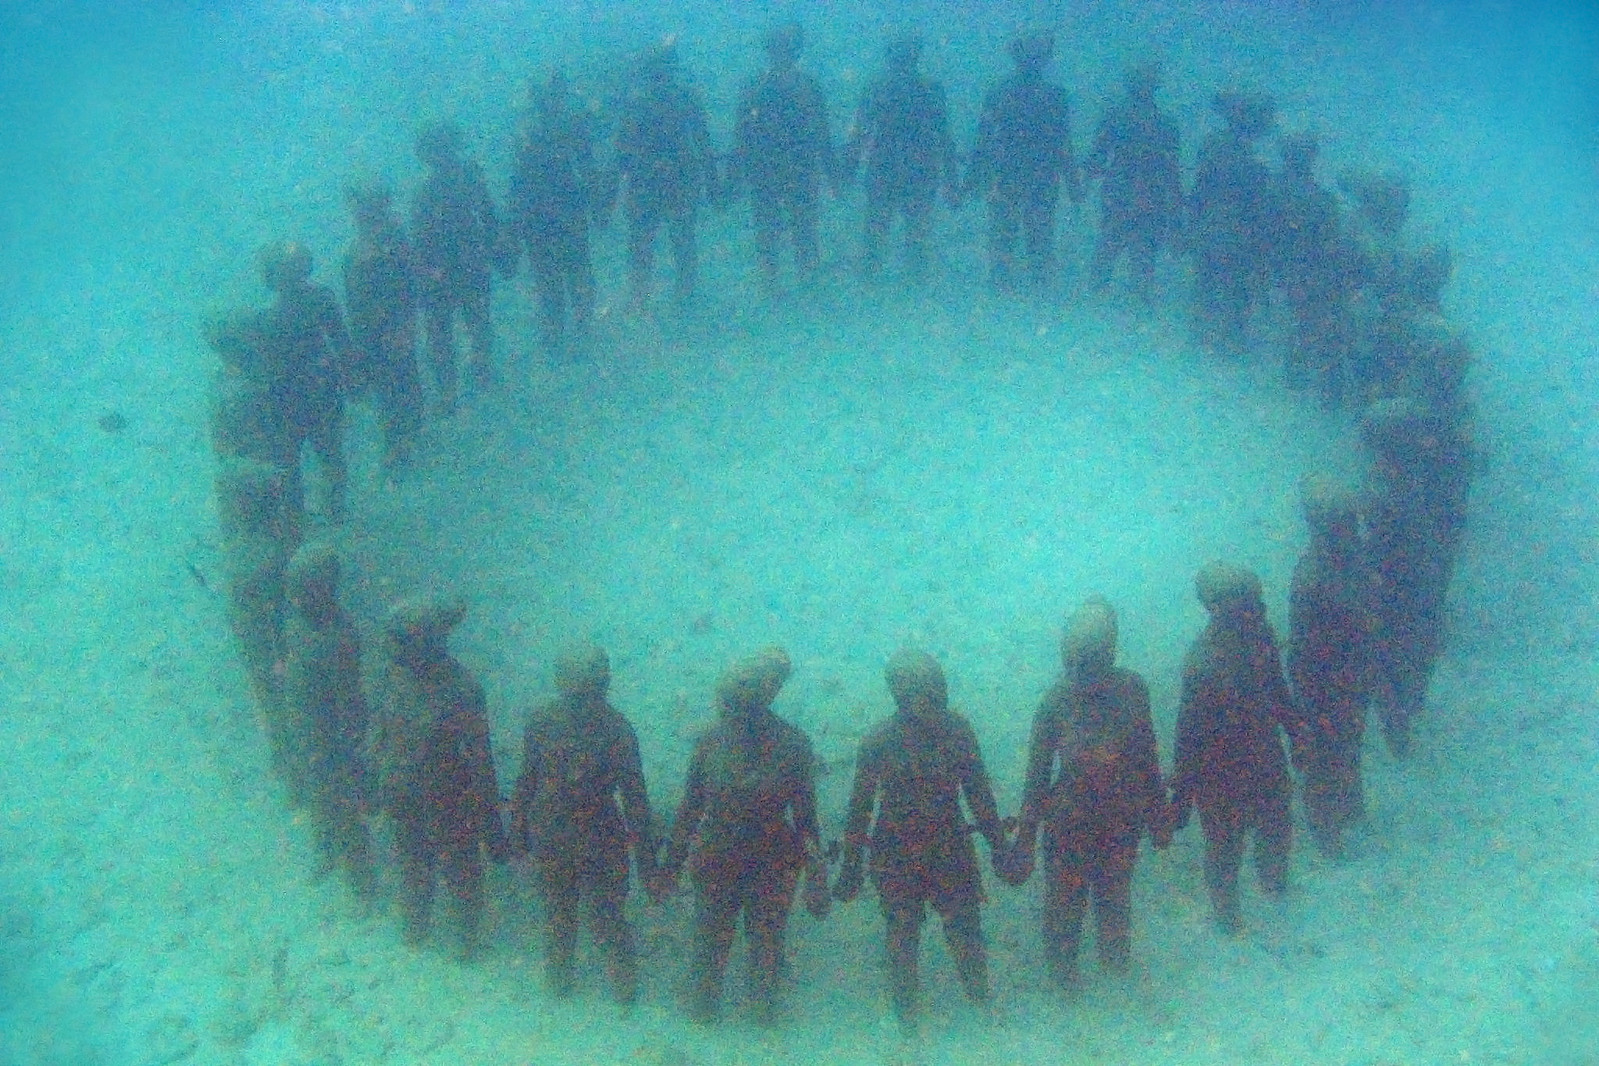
{"x":1330,"y":632}
{"x":456,"y":234}
{"x":1228,"y":217}
{"x":1135,"y":156}
{"x":1094,"y":786}
{"x":559,"y":193}
{"x":380,"y":295}
{"x":907,"y":825}
{"x":901,"y":143}
{"x":1231,"y":766}
{"x":663,"y":152}
{"x":1021,"y":163}
{"x":309,"y":359}
{"x":581,"y":810}
{"x":747,"y":829}
{"x":329,"y":714}
{"x":435,"y":771}
{"x":782,"y":154}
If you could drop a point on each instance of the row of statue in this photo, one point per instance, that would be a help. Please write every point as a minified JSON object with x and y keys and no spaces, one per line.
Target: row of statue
{"x":414,"y":755}
{"x":1365,"y":305}
{"x":418,"y":757}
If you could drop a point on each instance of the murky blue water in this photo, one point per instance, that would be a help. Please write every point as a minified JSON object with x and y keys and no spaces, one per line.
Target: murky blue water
{"x":861,"y":467}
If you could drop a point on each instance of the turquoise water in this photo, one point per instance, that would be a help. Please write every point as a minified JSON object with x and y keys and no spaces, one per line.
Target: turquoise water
{"x":861,"y":469}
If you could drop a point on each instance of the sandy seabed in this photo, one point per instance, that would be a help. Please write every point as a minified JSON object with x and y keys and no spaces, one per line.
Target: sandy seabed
{"x":838,"y":482}
{"x":862,"y":471}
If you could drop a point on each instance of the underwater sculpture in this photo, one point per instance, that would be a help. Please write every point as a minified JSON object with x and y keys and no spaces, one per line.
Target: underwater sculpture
{"x":663,"y":151}
{"x":559,"y":193}
{"x":435,"y":771}
{"x":1228,"y":216}
{"x":1416,"y":515}
{"x":1022,"y":160}
{"x":307,"y":353}
{"x":579,"y":809}
{"x":1313,"y":263}
{"x":380,"y":294}
{"x":258,"y":536}
{"x":782,"y":150}
{"x":328,"y":715}
{"x":455,"y":232}
{"x":1230,"y":763}
{"x":905,"y":811}
{"x":246,"y":420}
{"x":747,"y":829}
{"x":1094,"y":724}
{"x":901,"y":142}
{"x":1329,"y":663}
{"x":1136,"y":158}
{"x":1367,"y":324}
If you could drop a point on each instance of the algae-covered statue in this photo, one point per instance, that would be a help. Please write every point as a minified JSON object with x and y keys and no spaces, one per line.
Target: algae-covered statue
{"x":1094,"y":785}
{"x":580,"y":809}
{"x":747,"y":829}
{"x":906,"y":823}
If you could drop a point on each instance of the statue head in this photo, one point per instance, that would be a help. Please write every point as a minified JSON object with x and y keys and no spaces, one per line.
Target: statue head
{"x":916,"y":681}
{"x":1229,"y":592}
{"x":1382,"y":198}
{"x":749,"y":686}
{"x":1299,"y":154}
{"x":251,"y":497}
{"x":371,"y":204}
{"x":1249,"y":114}
{"x":1393,"y":428}
{"x":1332,"y":512}
{"x":419,"y":630}
{"x":903,"y":53}
{"x":660,"y":63}
{"x":583,"y":673}
{"x":1088,"y":647}
{"x":439,"y":144}
{"x":1031,"y":52}
{"x":1143,"y":80}
{"x":784,"y":44}
{"x":284,"y":265}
